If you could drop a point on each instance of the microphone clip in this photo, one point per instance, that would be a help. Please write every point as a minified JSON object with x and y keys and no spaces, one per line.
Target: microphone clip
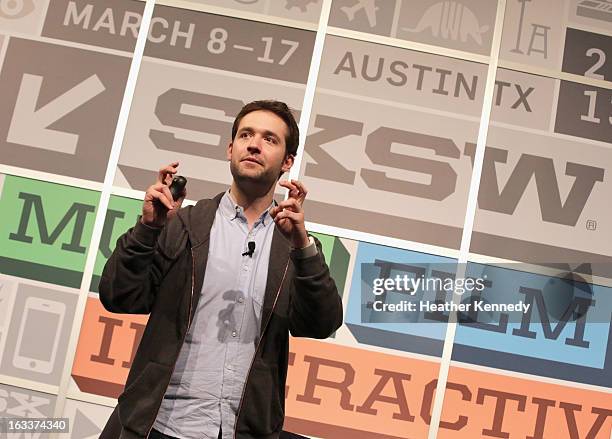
{"x":251,"y":249}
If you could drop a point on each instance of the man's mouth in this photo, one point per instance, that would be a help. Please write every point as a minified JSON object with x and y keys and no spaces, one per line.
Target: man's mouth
{"x":251,"y":159}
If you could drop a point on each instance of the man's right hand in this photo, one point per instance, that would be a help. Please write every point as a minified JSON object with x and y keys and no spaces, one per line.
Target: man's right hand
{"x":158,"y":203}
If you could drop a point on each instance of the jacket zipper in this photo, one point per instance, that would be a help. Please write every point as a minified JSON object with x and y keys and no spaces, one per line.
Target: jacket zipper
{"x":257,"y":347}
{"x":182,"y":340}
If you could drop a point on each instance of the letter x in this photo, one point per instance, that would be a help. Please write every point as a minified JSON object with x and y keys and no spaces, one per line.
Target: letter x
{"x":522,"y":98}
{"x":26,"y":405}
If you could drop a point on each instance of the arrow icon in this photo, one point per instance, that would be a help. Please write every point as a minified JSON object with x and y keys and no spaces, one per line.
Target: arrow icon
{"x":29,"y":125}
{"x":83,"y":426}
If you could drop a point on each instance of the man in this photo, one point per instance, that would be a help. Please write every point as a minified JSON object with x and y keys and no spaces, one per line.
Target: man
{"x":212,"y":362}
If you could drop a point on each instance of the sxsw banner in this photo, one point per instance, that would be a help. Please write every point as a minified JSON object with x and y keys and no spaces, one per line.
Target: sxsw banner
{"x":391,"y":96}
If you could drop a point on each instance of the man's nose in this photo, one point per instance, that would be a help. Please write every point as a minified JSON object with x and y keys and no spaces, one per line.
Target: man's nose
{"x":255,"y":144}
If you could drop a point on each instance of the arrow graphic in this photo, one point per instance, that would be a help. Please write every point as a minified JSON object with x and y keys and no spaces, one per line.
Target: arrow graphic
{"x":83,"y":426}
{"x":29,"y":125}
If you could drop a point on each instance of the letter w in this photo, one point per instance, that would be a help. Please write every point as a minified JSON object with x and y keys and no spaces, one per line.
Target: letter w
{"x":543,"y":170}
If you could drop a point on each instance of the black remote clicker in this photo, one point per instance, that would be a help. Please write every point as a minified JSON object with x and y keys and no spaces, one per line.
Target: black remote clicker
{"x":177,"y":186}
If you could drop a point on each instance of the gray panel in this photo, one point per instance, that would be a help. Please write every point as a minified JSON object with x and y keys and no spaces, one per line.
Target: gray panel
{"x":369,"y":16}
{"x":587,"y":53}
{"x":59,"y":117}
{"x":302,"y":10}
{"x":533,"y":32}
{"x":457,"y":24}
{"x":186,"y":115}
{"x":240,"y":5}
{"x":232,"y":44}
{"x":401,"y":75}
{"x":584,"y":111}
{"x":37,"y":339}
{"x":112,"y":23}
{"x":17,"y":402}
{"x":22,"y":16}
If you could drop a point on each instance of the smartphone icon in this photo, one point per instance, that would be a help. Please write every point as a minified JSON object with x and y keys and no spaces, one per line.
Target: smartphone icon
{"x":39,"y":332}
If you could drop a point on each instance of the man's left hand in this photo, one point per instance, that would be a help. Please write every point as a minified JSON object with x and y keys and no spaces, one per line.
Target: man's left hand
{"x":289,"y":215}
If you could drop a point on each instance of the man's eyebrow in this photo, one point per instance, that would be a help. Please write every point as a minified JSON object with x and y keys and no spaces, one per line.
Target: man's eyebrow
{"x":272,"y":133}
{"x":265,"y":132}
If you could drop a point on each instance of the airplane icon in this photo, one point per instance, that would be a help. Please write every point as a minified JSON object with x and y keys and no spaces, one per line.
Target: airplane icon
{"x":369,"y":7}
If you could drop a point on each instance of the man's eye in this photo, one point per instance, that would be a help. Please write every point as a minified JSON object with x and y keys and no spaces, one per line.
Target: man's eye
{"x":244,"y":135}
{"x":270,"y":139}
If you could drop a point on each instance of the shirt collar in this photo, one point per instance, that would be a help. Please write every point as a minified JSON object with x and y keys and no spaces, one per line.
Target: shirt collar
{"x":231,"y":210}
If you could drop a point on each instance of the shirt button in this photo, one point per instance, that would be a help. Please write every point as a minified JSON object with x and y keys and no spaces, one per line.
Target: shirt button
{"x":245,"y":268}
{"x":234,"y":333}
{"x":240,"y":300}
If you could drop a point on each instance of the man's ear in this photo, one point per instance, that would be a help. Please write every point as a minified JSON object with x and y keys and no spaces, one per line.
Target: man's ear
{"x":228,"y":154}
{"x":288,"y":162}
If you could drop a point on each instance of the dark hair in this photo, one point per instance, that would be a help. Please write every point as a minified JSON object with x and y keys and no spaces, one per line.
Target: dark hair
{"x":279,"y":108}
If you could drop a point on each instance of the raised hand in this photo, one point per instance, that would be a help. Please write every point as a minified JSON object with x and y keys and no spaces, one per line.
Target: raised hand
{"x":289,"y":215}
{"x":158,"y":204}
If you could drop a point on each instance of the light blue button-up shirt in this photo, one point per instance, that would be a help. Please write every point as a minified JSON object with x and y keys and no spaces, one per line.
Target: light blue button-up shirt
{"x":209,"y":375}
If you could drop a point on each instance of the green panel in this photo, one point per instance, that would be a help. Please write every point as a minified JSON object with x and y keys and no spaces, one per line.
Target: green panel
{"x":337,"y":258}
{"x":45,"y":225}
{"x":339,"y":269}
{"x":327,"y":242}
{"x":122,"y":213}
{"x":43,"y":273}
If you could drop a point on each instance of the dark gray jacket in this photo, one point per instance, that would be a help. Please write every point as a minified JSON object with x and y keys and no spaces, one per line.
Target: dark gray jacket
{"x":162,"y":272}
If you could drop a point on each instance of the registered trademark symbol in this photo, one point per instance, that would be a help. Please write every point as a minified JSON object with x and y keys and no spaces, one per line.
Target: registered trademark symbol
{"x":591,"y":224}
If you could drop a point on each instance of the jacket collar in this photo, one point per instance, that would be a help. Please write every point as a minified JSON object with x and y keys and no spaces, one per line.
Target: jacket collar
{"x":199,"y":219}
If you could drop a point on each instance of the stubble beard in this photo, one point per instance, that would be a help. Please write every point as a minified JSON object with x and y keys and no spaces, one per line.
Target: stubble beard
{"x":254,"y":184}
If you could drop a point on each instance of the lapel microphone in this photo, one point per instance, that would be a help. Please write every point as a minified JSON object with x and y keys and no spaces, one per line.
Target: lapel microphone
{"x":251,"y":249}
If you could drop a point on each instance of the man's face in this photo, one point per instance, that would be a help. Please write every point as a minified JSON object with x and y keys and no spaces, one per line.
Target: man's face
{"x":257,"y":153}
